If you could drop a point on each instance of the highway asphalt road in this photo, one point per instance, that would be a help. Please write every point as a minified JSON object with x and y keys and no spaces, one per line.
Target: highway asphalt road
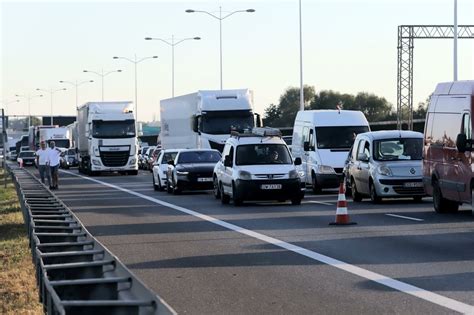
{"x":270,"y":258}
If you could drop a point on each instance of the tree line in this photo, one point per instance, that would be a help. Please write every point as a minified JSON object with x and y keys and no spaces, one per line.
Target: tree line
{"x":374,"y":107}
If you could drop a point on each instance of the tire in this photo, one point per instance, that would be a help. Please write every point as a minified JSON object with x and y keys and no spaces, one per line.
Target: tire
{"x":296,"y":201}
{"x":356,"y":196}
{"x":314,"y":183}
{"x":373,"y":193}
{"x":225,"y":199}
{"x":441,"y":204}
{"x":235,"y":196}
{"x":216,"y":190}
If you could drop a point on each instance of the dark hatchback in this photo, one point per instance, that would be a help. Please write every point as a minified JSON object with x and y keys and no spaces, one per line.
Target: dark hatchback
{"x":191,"y":170}
{"x":27,"y":158}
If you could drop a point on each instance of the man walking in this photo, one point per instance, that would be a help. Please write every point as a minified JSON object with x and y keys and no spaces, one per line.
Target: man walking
{"x":54,"y":158}
{"x":42,"y":162}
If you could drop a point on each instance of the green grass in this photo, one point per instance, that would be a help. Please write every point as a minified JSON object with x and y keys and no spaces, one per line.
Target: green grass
{"x":18,"y":292}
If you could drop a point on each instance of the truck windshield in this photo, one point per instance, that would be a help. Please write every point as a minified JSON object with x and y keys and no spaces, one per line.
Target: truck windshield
{"x":255,"y":154}
{"x":338,"y":137}
{"x":222,"y":122}
{"x":61,"y":143}
{"x":113,"y":129}
{"x":199,"y":157}
{"x":398,"y":149}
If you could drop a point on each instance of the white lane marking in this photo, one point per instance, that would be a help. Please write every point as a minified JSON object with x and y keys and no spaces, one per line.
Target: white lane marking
{"x":404,"y":217}
{"x":364,"y":273}
{"x":321,"y":202}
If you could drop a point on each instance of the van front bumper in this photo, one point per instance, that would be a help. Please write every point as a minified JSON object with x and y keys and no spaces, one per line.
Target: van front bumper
{"x":328,"y":180}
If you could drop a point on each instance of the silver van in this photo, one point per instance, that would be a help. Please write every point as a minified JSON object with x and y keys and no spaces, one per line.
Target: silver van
{"x":386,"y":164}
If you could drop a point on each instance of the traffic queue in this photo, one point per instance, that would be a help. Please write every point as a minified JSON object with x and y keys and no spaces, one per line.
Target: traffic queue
{"x":330,"y":146}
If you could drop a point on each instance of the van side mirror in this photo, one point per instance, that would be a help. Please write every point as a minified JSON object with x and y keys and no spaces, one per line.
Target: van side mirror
{"x":363,"y":157}
{"x":306,"y":146}
{"x":195,"y":123}
{"x":298,"y":161}
{"x":462,"y":143}
{"x":258,"y":120}
{"x":227,"y":161}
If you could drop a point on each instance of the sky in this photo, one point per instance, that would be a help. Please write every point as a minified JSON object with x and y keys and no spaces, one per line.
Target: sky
{"x":348,"y":46}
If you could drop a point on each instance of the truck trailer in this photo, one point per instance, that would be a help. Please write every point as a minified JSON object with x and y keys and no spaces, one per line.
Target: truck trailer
{"x":205,"y":119}
{"x":107,"y":138}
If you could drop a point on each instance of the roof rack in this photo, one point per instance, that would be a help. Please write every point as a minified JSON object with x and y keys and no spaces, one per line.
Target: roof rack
{"x":258,"y":132}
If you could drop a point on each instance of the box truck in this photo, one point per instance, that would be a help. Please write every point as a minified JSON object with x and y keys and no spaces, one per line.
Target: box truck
{"x":107,"y":138}
{"x":205,"y":119}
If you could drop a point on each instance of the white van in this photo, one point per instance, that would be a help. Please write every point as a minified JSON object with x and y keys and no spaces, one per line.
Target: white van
{"x":323,"y":139}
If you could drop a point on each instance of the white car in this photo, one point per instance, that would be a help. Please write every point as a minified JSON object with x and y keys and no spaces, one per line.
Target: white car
{"x":160,"y":167}
{"x":258,"y":166}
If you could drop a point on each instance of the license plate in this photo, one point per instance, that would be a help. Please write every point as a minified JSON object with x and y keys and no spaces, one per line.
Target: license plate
{"x":413,"y":185}
{"x":205,"y":179}
{"x":270,"y":186}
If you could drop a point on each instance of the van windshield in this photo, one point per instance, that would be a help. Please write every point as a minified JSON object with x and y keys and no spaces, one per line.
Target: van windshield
{"x":256,"y":154}
{"x":398,"y":149}
{"x":338,"y":137}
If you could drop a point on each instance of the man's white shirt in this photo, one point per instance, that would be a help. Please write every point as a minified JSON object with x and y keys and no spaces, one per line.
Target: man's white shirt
{"x":42,"y":156}
{"x":54,"y":156}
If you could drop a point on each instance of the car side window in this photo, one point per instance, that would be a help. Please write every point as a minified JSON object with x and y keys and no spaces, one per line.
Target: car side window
{"x":467,"y":128}
{"x":360,"y":149}
{"x":367,"y":149}
{"x":305,"y":137}
{"x":311,"y":139}
{"x":231,"y":154}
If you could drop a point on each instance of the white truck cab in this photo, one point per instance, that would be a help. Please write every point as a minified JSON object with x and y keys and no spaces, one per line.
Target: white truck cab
{"x":257,"y":166}
{"x":323,"y":139}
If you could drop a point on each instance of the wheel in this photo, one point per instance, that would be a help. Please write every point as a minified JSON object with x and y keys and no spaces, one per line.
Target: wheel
{"x":225,"y":199}
{"x":217,"y":192}
{"x":314,"y":183}
{"x":418,"y":198}
{"x":441,"y":204}
{"x":296,"y":201}
{"x":235,"y":196}
{"x":373,"y":193}
{"x":356,"y":196}
{"x":155,"y":186}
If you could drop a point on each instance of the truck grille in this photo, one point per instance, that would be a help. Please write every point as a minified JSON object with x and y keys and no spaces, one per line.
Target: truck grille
{"x":114,"y":159}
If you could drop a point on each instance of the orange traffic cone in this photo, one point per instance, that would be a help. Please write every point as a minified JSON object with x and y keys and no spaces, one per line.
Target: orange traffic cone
{"x":342,"y":217}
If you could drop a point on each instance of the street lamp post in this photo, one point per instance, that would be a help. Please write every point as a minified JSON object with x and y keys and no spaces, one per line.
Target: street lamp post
{"x":174,"y":42}
{"x":136,"y":61}
{"x":51,"y":92}
{"x":301,"y":61}
{"x":76,"y":84}
{"x":220,"y":18}
{"x":29,"y":97}
{"x":6,"y":103}
{"x":102,"y":74}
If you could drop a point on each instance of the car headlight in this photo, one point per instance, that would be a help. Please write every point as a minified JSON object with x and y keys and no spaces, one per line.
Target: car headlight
{"x":96,"y":163}
{"x":384,"y":170}
{"x":293,"y":174}
{"x":244,"y":175}
{"x":326,"y":169}
{"x":132,"y":161}
{"x":181,"y":173}
{"x":301,"y":174}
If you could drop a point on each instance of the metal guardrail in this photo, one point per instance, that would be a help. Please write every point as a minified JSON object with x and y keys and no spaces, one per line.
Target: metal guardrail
{"x":75,"y":273}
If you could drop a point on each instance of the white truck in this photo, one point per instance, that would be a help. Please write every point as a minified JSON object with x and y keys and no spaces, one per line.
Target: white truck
{"x":107,"y":138}
{"x":205,"y":119}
